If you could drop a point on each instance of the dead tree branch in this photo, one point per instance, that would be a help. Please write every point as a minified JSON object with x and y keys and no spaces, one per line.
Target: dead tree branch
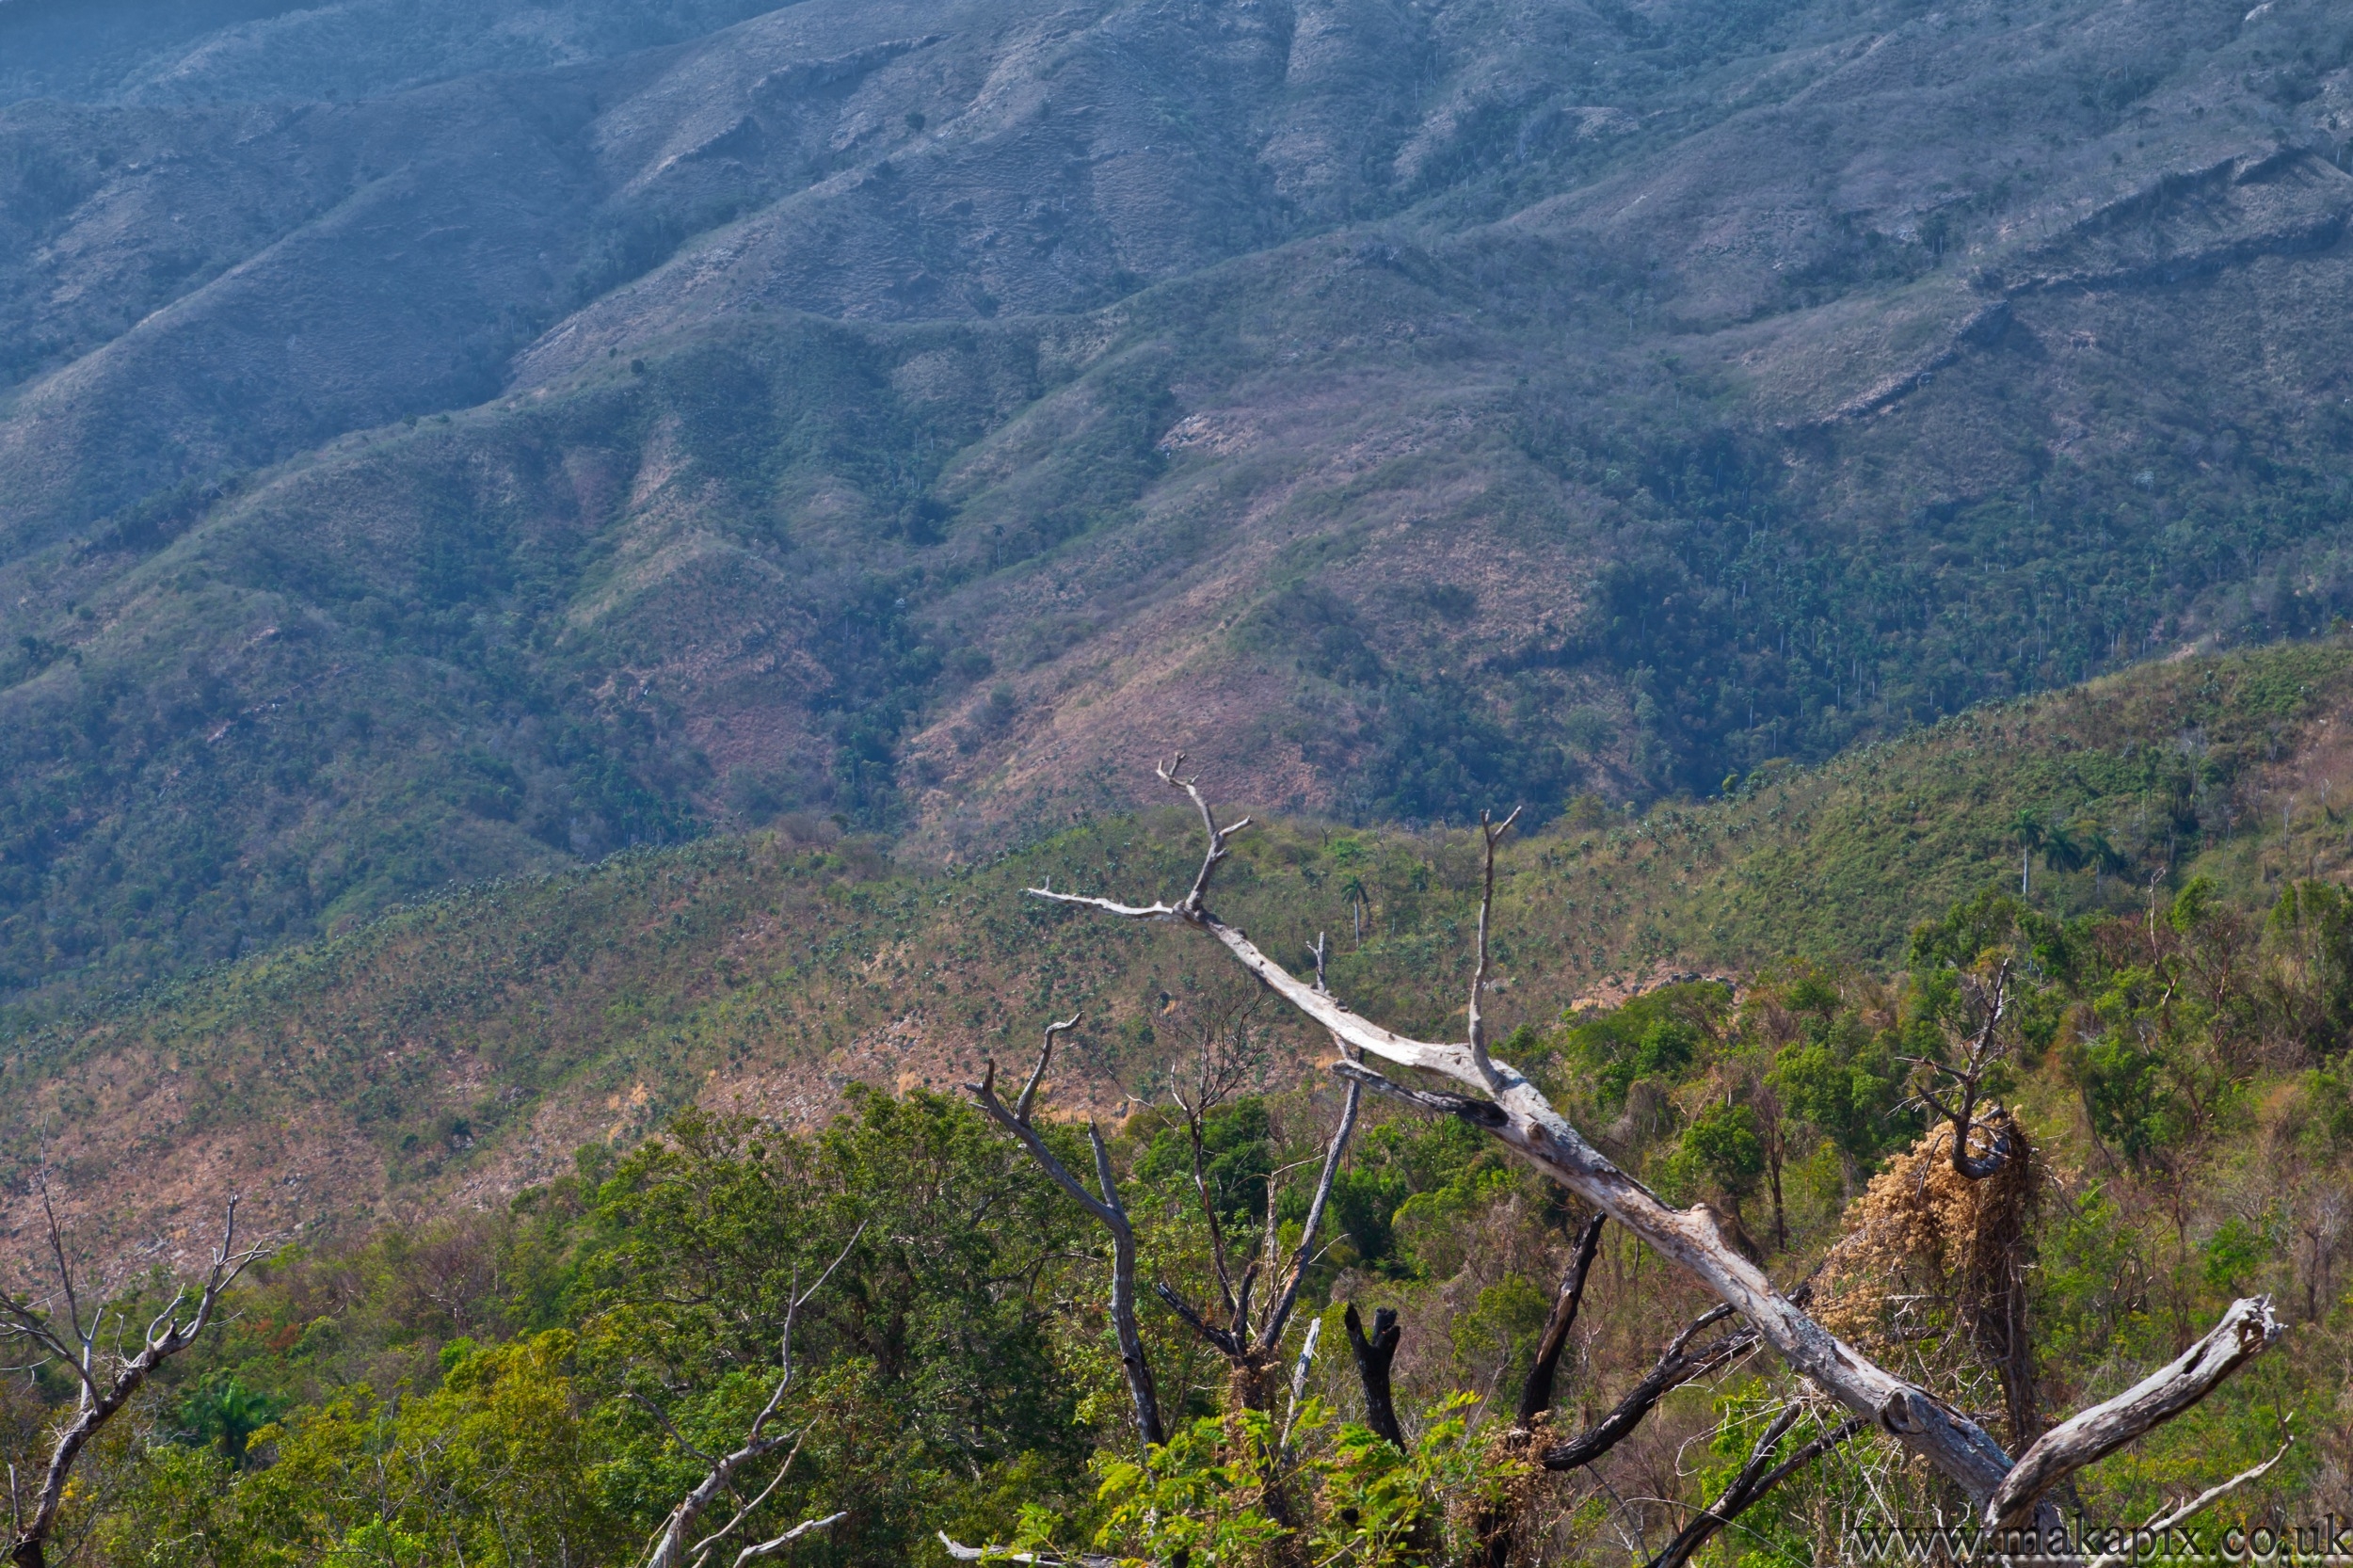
{"x":1499,"y":1523}
{"x":107,"y":1376}
{"x":1303,"y":1254}
{"x":1483,"y":1114}
{"x":1677,"y":1365}
{"x":2246,"y":1331}
{"x":1251,"y":1347}
{"x":1536,"y":1392}
{"x":1373,"y":1356}
{"x":1300,"y":1367}
{"x":1527,"y":1123}
{"x":2181,"y":1513}
{"x":1035,"y":1560}
{"x":1227,"y":1053}
{"x":1759,"y":1476}
{"x":1990,"y":1001}
{"x":1037,"y":1074}
{"x":1107,"y":1211}
{"x":768,"y":1548}
{"x":670,"y":1549}
{"x":1491,"y":834}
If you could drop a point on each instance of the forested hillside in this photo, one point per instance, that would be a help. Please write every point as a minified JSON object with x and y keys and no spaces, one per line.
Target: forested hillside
{"x":442,"y":442}
{"x":467,"y":1045}
{"x":666,"y":1093}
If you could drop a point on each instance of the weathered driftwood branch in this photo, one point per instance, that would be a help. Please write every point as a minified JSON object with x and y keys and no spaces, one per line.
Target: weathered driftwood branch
{"x":1527,"y":1123}
{"x":670,"y":1549}
{"x":1107,"y":1211}
{"x":1484,"y":1114}
{"x":1536,"y":1391}
{"x":1301,"y":1366}
{"x":2246,"y":1331}
{"x":1760,"y":1475}
{"x":1373,"y":1356}
{"x":769,"y":1548}
{"x":1677,"y":1365}
{"x":106,"y":1378}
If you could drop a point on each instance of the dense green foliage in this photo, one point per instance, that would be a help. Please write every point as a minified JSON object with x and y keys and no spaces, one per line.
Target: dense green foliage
{"x":426,"y":1046}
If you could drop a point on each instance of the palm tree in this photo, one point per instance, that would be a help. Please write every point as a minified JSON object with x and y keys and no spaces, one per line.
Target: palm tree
{"x":225,"y":1416}
{"x":1354,"y":891}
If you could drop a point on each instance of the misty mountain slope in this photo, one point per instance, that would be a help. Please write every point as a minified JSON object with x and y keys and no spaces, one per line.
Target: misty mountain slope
{"x":262,"y":51}
{"x":922,"y":414}
{"x":397,"y":294}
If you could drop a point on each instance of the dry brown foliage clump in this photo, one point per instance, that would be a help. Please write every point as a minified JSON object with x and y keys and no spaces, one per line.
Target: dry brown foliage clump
{"x":1930,"y":1270}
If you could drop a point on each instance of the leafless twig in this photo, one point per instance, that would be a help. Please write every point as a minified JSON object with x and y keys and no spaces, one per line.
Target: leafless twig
{"x":92,"y":1339}
{"x":1760,"y":1475}
{"x":1677,"y":1365}
{"x":1107,"y":1211}
{"x":2181,"y":1512}
{"x":1990,"y":1001}
{"x":670,"y":1549}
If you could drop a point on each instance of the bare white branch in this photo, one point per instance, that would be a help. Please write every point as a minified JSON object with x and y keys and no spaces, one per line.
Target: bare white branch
{"x":1491,"y":834}
{"x":669,"y":1548}
{"x":2181,"y":1513}
{"x":2246,"y":1331}
{"x":1299,"y":1381}
{"x":83,"y":1342}
{"x":766,"y":1548}
{"x":1271,"y":1334}
{"x":963,"y":1552}
{"x":1520,"y":1117}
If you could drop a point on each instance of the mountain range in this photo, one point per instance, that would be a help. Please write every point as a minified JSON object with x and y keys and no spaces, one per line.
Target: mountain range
{"x":449,"y":442}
